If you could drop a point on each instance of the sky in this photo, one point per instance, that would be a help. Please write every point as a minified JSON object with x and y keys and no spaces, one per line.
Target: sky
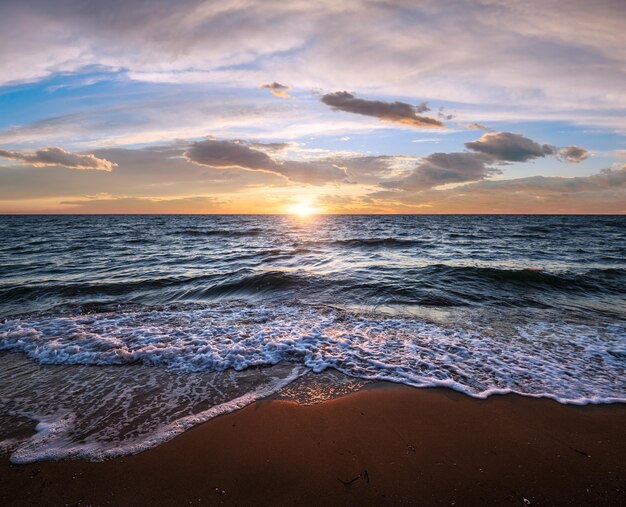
{"x":330,"y":106}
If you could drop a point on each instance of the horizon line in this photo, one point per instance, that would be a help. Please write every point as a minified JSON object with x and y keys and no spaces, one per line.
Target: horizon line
{"x":312,"y":214}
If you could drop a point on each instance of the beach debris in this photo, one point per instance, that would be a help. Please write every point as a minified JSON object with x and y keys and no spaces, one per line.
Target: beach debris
{"x":348,"y":483}
{"x":583,"y":453}
{"x":363,"y":475}
{"x":521,"y":498}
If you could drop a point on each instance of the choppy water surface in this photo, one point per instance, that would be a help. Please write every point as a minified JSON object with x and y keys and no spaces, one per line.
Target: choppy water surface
{"x":119,"y":332}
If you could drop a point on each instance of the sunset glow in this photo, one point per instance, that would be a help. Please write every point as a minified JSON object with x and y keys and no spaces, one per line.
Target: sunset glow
{"x":303,"y":209}
{"x":235,"y":107}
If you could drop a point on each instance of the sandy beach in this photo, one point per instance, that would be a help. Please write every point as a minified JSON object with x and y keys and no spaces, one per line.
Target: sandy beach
{"x":384,"y":445}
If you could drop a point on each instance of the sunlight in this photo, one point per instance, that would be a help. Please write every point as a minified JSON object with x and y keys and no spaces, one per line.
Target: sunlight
{"x":303,"y":209}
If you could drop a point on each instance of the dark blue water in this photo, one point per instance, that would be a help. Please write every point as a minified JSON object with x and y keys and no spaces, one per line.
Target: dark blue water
{"x":482,"y":304}
{"x":572,"y":264}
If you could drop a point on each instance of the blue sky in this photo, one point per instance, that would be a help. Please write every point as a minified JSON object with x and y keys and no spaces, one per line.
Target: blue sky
{"x":355,"y":106}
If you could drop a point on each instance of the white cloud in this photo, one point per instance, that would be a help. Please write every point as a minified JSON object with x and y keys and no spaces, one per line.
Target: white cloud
{"x":479,"y":52}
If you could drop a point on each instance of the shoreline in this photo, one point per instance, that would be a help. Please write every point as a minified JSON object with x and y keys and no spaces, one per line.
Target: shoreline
{"x":385,"y":444}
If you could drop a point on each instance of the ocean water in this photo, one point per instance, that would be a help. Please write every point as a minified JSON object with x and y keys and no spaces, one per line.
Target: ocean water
{"x":119,"y":332}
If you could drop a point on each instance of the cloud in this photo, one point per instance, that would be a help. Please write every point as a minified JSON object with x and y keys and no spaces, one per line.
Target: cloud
{"x":272,"y":148}
{"x":251,"y":175}
{"x":478,"y":126}
{"x":606,"y":179}
{"x":160,"y":115}
{"x":278,"y":89}
{"x":493,"y":148}
{"x":370,"y":169}
{"x":444,"y":168}
{"x":237,"y":154}
{"x":427,"y":140}
{"x":603,"y":192}
{"x":522,"y":55}
{"x":140,"y":172}
{"x":441,"y":114}
{"x":573,"y":154}
{"x":370,"y":46}
{"x":143,"y":205}
{"x":390,"y":172}
{"x":59,"y":157}
{"x":396,"y":112}
{"x":510,"y":147}
{"x":228,"y":154}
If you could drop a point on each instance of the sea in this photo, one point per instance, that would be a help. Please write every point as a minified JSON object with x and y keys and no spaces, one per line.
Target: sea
{"x":118,"y":333}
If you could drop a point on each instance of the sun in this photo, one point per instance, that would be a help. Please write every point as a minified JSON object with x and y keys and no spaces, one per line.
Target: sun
{"x":303,"y":209}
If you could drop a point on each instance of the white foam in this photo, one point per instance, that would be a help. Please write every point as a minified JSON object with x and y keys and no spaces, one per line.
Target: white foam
{"x":205,"y":359}
{"x":569,"y":362}
{"x":54,"y":439}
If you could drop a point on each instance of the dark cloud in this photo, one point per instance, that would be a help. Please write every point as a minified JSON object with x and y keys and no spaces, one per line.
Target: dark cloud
{"x":214,"y":153}
{"x":573,"y":154}
{"x":478,"y":126}
{"x":276,"y":86}
{"x":509,"y":147}
{"x":441,"y":114}
{"x":237,"y":154}
{"x":443,"y":168}
{"x":397,"y":112}
{"x":506,"y":146}
{"x":278,"y":89}
{"x":491,"y":149}
{"x":59,"y":157}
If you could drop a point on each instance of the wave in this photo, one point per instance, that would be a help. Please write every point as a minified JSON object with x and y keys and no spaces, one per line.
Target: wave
{"x":257,"y":283}
{"x":431,"y":285}
{"x":203,"y":361}
{"x":116,"y":414}
{"x":389,"y":242}
{"x":221,"y":232}
{"x":168,"y":288}
{"x":58,"y":288}
{"x":535,"y":276}
{"x":535,"y":358}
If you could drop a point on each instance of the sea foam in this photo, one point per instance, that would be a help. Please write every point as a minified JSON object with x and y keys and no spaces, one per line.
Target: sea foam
{"x":163,"y":371}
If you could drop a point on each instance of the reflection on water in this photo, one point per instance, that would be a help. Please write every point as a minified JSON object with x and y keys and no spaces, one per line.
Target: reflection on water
{"x":316,"y":388}
{"x":122,"y":331}
{"x":566,"y":262}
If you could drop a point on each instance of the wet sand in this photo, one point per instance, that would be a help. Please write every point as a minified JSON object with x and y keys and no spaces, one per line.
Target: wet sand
{"x":385,"y":445}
